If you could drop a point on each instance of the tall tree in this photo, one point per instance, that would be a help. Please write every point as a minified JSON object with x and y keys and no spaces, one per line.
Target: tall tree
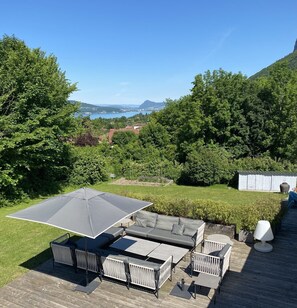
{"x":279,"y":97}
{"x":222,"y":96}
{"x":35,"y":118}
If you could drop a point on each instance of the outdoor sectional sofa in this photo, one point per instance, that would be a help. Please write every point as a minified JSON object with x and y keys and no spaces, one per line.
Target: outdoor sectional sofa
{"x":111,"y":264}
{"x":135,"y":271}
{"x":174,"y":230}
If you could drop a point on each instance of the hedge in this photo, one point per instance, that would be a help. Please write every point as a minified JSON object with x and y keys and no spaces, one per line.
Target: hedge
{"x":243,"y":216}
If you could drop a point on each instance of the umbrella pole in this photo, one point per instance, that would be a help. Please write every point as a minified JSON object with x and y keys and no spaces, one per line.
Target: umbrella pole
{"x":87,"y":265}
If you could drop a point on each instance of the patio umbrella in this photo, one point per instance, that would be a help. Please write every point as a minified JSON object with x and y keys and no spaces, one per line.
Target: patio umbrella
{"x":86,"y":211}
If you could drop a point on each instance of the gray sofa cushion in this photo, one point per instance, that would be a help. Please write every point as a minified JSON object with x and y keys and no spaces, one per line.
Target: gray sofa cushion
{"x":104,"y":253}
{"x":167,"y":236}
{"x":138,"y":231}
{"x":92,"y":244}
{"x":189,"y":231}
{"x":140,"y":222}
{"x":191,"y":223}
{"x":151,"y":218}
{"x":223,"y":251}
{"x":177,"y":229}
{"x":155,"y":266}
{"x":166,"y":222}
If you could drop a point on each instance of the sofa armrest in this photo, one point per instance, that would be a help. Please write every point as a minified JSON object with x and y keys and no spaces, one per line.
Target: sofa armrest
{"x":63,"y":239}
{"x":198,"y":237}
{"x":165,"y":271}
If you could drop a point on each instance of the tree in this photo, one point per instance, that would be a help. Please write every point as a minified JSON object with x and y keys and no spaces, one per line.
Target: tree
{"x":278,"y":95}
{"x":206,"y":165}
{"x":89,"y":168}
{"x":122,"y":138}
{"x":222,"y":96}
{"x":35,"y":119}
{"x":154,"y":134}
{"x":183,"y":122}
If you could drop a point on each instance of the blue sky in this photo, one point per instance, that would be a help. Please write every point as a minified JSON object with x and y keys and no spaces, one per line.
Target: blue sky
{"x":127,"y":51}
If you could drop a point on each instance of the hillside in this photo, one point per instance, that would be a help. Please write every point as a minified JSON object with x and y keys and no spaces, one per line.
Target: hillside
{"x":149,"y":105}
{"x":291,"y":59}
{"x":89,"y":108}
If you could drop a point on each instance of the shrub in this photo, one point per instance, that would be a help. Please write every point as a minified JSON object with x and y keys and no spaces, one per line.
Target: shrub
{"x":244,"y":216}
{"x":86,"y":139}
{"x":122,"y":138}
{"x":207,"y":165}
{"x":89,"y":168}
{"x":88,"y":171}
{"x":156,"y":168}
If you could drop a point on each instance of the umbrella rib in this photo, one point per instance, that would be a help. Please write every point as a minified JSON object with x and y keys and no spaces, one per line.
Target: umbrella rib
{"x":89,"y":216}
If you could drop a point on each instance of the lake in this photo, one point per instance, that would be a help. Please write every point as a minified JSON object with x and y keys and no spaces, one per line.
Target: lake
{"x":117,"y":115}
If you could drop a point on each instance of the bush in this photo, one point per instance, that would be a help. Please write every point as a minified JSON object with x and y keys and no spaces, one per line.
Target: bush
{"x":207,"y":165}
{"x":122,"y":138}
{"x":244,"y":216}
{"x":156,"y":168}
{"x":86,"y":139}
{"x":264,"y":163}
{"x":88,"y":171}
{"x":88,"y":168}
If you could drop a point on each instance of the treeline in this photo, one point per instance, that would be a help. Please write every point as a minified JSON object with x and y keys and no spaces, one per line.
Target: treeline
{"x":227,"y":123}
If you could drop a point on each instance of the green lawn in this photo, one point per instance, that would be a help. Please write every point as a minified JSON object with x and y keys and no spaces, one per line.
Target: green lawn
{"x":25,"y":244}
{"x":216,"y":192}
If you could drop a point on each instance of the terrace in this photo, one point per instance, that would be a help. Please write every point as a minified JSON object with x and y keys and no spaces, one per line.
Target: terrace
{"x":255,"y":280}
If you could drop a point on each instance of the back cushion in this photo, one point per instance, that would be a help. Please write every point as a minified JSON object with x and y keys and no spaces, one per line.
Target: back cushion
{"x":150,"y":218}
{"x":190,"y":223}
{"x":165,"y":222}
{"x":141,"y":222}
{"x":223,"y":251}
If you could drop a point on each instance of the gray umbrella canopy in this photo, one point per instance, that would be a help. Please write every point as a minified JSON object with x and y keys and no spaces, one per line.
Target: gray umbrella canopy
{"x":86,"y":211}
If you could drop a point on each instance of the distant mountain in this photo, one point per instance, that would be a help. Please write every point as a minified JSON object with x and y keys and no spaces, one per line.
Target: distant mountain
{"x":291,"y":59}
{"x":88,"y":109}
{"x":149,"y":105}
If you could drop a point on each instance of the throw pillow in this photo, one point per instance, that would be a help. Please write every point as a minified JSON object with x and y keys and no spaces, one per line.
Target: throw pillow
{"x":177,"y":229}
{"x":189,"y":231}
{"x":140,"y":222}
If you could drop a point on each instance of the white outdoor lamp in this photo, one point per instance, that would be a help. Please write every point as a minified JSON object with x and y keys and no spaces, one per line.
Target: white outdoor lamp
{"x":263,"y":233}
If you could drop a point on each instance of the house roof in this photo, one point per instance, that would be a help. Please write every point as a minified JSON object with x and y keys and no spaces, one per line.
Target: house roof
{"x":268,"y":173}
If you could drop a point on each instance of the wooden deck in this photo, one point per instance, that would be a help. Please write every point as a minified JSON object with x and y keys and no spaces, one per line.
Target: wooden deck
{"x":255,"y":280}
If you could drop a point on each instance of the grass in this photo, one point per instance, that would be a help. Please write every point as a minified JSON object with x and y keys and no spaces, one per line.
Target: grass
{"x":24,"y":245}
{"x":215,"y":192}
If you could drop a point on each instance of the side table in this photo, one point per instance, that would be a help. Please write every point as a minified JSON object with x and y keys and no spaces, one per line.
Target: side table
{"x":220,"y":238}
{"x":208,"y":281}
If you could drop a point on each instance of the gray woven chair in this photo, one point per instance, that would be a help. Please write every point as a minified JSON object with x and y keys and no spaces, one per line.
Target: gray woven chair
{"x":63,"y":250}
{"x":150,"y":276}
{"x":211,"y":265}
{"x":83,"y":258}
{"x":114,"y":267}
